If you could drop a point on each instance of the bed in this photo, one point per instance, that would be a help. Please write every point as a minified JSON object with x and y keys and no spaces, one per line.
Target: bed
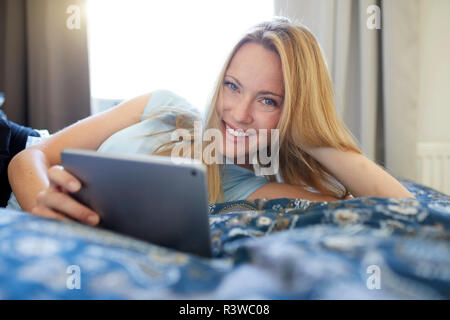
{"x":364,"y":248}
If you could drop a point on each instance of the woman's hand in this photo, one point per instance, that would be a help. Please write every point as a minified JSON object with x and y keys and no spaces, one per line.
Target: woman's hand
{"x":56,"y":203}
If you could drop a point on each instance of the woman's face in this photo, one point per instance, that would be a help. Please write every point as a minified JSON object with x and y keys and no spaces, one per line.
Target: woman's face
{"x":251,"y":98}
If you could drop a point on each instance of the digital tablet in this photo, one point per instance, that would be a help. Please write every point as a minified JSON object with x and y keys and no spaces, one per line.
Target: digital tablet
{"x":146,"y":197}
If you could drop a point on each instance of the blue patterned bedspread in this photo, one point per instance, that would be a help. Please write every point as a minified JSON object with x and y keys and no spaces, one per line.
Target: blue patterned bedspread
{"x":365,"y":248}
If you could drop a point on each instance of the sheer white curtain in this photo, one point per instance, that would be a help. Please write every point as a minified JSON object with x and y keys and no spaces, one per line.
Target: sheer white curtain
{"x":136,"y":46}
{"x":374,"y":71}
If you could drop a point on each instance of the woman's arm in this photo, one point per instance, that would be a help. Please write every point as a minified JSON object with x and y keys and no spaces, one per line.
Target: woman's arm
{"x":275,"y":190}
{"x":361,"y":176}
{"x":28,"y":170}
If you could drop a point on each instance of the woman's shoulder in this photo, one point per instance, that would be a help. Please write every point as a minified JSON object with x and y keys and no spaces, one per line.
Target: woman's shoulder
{"x":167,"y":100}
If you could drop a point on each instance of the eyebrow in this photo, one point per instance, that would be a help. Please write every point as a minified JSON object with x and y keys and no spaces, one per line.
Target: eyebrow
{"x":260,"y":92}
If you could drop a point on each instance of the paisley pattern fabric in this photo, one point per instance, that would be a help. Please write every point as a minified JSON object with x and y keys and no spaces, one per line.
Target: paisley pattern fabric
{"x":364,"y":248}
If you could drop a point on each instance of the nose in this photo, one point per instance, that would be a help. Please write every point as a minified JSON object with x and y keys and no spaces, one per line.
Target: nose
{"x":242,"y":112}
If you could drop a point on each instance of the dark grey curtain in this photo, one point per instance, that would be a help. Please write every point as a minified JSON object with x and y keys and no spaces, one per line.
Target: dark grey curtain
{"x":44,"y":69}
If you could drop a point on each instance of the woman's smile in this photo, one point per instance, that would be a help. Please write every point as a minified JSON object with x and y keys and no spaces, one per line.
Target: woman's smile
{"x":236,"y":134}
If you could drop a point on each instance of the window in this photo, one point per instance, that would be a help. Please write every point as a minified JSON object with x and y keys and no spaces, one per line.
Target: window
{"x":139,"y":46}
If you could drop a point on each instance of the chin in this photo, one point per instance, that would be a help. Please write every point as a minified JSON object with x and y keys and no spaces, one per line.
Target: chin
{"x":232,"y":154}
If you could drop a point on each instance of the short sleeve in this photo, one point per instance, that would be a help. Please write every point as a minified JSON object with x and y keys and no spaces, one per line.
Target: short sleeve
{"x":161,"y":99}
{"x":139,"y":138}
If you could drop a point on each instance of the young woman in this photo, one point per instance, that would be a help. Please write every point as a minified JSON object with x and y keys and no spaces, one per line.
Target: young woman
{"x":274,"y":78}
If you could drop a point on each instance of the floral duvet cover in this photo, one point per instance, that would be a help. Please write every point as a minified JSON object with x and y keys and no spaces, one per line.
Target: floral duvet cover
{"x":364,"y":248}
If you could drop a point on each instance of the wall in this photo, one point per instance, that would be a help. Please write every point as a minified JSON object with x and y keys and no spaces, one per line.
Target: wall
{"x":433,"y":137}
{"x":434,"y":96}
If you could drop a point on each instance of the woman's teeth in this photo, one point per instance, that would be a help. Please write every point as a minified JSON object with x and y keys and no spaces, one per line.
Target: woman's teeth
{"x":236,"y":133}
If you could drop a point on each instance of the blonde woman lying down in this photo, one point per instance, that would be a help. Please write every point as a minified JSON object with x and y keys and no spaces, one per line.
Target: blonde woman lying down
{"x":274,"y":78}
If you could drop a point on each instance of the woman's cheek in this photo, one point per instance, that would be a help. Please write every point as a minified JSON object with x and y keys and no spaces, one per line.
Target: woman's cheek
{"x":271,"y":123}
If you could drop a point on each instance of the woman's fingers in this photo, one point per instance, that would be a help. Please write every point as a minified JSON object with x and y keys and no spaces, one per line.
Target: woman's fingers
{"x":60,"y":177}
{"x":63,"y":203}
{"x":55,"y":202}
{"x":48,"y":213}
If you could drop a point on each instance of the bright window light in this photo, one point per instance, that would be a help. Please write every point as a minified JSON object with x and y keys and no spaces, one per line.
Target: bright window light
{"x":137,"y":46}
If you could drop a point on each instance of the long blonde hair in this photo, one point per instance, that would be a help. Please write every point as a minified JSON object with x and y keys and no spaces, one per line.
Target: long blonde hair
{"x":308,"y":118}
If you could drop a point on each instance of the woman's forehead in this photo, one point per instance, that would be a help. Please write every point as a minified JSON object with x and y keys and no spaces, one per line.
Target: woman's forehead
{"x":255,"y":66}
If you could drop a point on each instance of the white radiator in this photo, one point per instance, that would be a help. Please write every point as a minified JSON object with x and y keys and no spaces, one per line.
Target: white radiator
{"x":433,"y":165}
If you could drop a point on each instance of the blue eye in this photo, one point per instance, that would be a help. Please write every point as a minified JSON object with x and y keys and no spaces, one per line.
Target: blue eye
{"x":231,"y":85}
{"x":272,"y":102}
